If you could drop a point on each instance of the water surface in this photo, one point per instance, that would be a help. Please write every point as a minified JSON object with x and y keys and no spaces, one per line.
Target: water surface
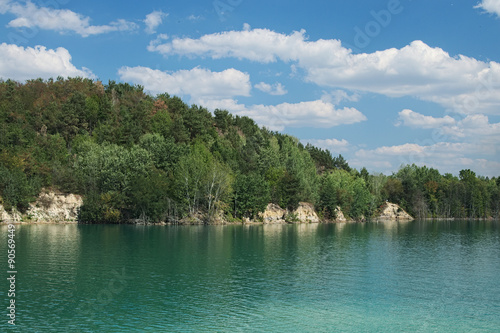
{"x":373,"y":277}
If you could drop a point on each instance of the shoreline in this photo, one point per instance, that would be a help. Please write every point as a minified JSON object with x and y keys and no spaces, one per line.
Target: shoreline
{"x":378,"y":220}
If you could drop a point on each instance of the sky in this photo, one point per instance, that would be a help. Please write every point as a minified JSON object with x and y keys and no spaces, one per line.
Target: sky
{"x":384,"y":83}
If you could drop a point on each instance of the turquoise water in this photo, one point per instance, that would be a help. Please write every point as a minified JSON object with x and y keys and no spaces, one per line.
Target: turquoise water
{"x":374,"y":277}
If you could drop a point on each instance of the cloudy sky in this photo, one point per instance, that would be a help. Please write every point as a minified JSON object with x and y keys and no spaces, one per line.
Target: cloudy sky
{"x":383,"y":83}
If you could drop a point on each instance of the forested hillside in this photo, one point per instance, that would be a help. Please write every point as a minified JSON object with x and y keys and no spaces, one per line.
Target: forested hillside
{"x":135,"y":156}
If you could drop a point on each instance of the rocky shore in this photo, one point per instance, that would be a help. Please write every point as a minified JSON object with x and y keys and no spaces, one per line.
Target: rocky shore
{"x":52,"y":207}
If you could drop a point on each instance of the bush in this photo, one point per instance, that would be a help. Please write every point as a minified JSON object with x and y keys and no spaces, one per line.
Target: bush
{"x":16,"y":189}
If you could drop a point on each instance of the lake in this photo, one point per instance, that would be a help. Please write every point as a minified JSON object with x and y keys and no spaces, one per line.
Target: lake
{"x":372,"y":277}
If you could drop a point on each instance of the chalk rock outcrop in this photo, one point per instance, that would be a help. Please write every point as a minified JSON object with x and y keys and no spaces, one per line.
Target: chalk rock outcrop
{"x":49,"y":207}
{"x":305,"y":213}
{"x":339,"y":215}
{"x":273,"y":214}
{"x":6,"y":216}
{"x":391,"y":211}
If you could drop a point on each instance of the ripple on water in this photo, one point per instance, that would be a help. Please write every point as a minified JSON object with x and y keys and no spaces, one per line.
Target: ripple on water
{"x":417,"y":276}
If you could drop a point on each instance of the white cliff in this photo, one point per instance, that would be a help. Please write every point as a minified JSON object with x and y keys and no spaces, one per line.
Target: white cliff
{"x":49,"y":207}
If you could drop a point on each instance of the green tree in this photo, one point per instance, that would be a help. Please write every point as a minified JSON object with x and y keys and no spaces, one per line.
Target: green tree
{"x":341,"y":189}
{"x":251,"y":195}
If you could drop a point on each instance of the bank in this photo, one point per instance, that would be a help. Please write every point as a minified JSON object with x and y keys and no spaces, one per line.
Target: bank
{"x":56,"y":207}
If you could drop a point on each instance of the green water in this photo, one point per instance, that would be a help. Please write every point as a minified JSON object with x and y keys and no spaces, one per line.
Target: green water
{"x":373,"y":277}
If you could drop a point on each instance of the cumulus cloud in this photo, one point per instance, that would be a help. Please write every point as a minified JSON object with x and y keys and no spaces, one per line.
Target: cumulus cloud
{"x":193,"y":17}
{"x":338,"y":96}
{"x":29,"y":15}
{"x":261,"y":45}
{"x":490,"y":6}
{"x":199,"y":83}
{"x":417,"y":120}
{"x":19,"y":63}
{"x":218,"y":89}
{"x":472,"y":128}
{"x":452,"y":157}
{"x":333,"y":145}
{"x":4,"y":6}
{"x":275,"y":89}
{"x":316,"y":114}
{"x":153,"y":20}
{"x":461,"y":83}
{"x":304,"y":114}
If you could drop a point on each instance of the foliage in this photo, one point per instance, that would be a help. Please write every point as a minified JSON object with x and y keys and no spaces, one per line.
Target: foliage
{"x":251,"y":195}
{"x":135,"y":156}
{"x":339,"y":188}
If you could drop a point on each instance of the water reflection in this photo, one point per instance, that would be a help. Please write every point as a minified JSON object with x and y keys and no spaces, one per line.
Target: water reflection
{"x":307,"y":277}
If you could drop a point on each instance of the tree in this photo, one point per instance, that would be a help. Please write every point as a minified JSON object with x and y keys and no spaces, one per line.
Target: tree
{"x":300,"y":180}
{"x":392,"y":190}
{"x":190,"y":174}
{"x":16,"y":190}
{"x":341,"y":189}
{"x":73,"y":121}
{"x":218,"y":187}
{"x":340,"y":163}
{"x":322,"y":158}
{"x":165,"y":153}
{"x":149,"y":195}
{"x":132,"y":155}
{"x":251,"y":195}
{"x":223,"y":120}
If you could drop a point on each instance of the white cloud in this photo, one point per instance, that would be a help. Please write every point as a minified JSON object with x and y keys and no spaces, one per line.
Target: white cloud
{"x":474,"y":128}
{"x":316,"y":114}
{"x":193,"y":17}
{"x":218,"y":89}
{"x":415,"y":119}
{"x":153,"y":20}
{"x":4,"y":6}
{"x":333,"y":145}
{"x":338,"y":96}
{"x":19,"y":63}
{"x":490,"y":6}
{"x":304,"y":114}
{"x":29,"y":15}
{"x":478,"y":149}
{"x":199,"y":83}
{"x":260,"y":45}
{"x":275,"y":89}
{"x":461,"y":83}
{"x":451,"y":157}
{"x":228,"y":104}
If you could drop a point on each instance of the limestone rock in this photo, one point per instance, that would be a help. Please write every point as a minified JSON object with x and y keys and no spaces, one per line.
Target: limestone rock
{"x":49,"y":207}
{"x":273,"y":214}
{"x":305,"y":213}
{"x":391,"y":211}
{"x":55,"y":207}
{"x":5,"y":216}
{"x":339,"y":215}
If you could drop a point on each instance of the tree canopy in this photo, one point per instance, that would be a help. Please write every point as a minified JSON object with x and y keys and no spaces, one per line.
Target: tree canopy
{"x":135,"y":156}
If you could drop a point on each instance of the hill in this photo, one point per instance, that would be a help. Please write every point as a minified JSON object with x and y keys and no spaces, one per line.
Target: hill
{"x":135,"y":156}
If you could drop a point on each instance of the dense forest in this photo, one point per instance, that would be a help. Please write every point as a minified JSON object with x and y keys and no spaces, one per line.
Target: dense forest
{"x":135,"y":156}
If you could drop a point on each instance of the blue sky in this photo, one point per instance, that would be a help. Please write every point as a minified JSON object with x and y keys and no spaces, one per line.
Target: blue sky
{"x":383,"y":83}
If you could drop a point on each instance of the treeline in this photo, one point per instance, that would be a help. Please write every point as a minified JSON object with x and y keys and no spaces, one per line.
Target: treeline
{"x":135,"y":156}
